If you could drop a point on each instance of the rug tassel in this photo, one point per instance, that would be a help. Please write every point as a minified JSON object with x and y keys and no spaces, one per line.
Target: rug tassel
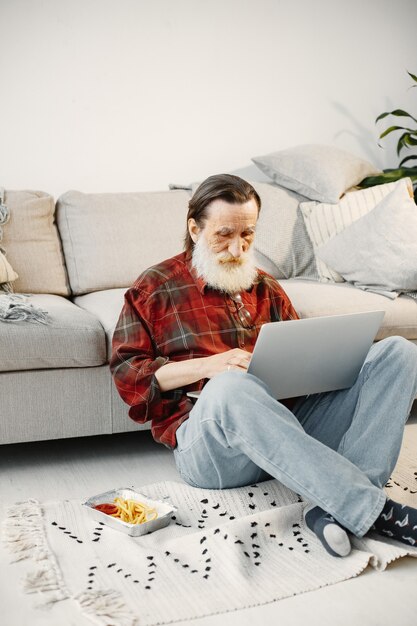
{"x":24,"y":536}
{"x":43,"y":579}
{"x":108,"y":607}
{"x":23,"y":531}
{"x":24,"y":509}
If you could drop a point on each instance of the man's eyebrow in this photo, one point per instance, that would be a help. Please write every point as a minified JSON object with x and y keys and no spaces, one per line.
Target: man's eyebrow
{"x":227,"y":229}
{"x":224,"y":230}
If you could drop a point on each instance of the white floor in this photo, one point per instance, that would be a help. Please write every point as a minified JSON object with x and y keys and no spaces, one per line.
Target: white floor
{"x":78,"y":468}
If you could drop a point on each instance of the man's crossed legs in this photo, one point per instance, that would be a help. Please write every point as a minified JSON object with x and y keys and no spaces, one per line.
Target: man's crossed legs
{"x":336,"y":449}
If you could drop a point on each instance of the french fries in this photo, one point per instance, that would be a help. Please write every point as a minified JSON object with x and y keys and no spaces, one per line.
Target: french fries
{"x":130,"y":511}
{"x":134,"y":512}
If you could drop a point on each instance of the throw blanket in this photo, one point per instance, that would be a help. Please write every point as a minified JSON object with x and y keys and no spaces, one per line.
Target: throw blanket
{"x":14,"y":307}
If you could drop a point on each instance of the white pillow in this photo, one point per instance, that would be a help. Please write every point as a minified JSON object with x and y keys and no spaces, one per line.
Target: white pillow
{"x":318,"y":172}
{"x":379,"y":250}
{"x":324,"y":221}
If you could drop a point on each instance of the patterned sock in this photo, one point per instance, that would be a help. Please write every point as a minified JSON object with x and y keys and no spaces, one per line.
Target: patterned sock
{"x":397,"y":521}
{"x":331,"y":534}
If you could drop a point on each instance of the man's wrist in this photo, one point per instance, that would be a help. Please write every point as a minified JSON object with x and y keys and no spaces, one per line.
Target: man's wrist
{"x":200,"y":367}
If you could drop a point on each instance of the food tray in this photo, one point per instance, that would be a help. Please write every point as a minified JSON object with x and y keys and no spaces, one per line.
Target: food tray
{"x":164,"y":509}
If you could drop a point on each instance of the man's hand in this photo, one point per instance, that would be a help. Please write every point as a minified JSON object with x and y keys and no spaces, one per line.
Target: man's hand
{"x":181,"y":373}
{"x":235,"y":359}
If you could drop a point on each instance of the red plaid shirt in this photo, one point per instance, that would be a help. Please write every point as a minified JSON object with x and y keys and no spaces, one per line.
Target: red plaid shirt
{"x":170,"y":314}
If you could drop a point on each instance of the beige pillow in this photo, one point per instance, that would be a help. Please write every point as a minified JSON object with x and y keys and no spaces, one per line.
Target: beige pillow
{"x":110,"y":238}
{"x":7,"y":273}
{"x":32,"y":243}
{"x":323,"y":221}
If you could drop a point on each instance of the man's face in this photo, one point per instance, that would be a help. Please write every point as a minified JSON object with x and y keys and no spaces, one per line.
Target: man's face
{"x":222,"y":253}
{"x":229,"y":228}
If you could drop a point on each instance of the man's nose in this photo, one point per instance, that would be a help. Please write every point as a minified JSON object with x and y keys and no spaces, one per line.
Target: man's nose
{"x":236,"y":247}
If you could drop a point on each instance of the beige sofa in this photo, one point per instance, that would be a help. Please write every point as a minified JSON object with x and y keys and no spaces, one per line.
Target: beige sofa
{"x":78,"y":256}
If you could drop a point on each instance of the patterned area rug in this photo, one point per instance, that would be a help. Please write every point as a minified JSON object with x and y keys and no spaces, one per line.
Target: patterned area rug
{"x":223,"y":550}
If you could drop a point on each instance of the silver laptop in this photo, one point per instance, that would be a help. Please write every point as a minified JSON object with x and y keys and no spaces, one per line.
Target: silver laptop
{"x":300,"y":357}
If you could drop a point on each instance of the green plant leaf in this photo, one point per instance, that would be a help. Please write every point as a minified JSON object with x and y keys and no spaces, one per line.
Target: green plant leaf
{"x":389,"y":176}
{"x":409,"y":158}
{"x":402,"y":113}
{"x":402,"y":172}
{"x":391,"y":129}
{"x":404,"y":141}
{"x":400,"y":145}
{"x":397,"y":113}
{"x":380,"y":117}
{"x":409,"y":140}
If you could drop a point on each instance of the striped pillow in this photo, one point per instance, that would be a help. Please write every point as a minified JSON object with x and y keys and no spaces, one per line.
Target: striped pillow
{"x":324,"y":221}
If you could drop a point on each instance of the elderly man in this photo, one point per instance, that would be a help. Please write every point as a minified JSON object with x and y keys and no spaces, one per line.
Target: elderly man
{"x":190,"y":323}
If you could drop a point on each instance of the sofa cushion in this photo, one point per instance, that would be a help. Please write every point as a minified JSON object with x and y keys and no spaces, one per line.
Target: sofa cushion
{"x":311,"y":299}
{"x":106,"y":306}
{"x":73,"y":338}
{"x":32,"y":243}
{"x":110,"y":238}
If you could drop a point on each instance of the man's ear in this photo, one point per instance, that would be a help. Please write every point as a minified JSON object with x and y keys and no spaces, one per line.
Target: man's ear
{"x":193,"y":229}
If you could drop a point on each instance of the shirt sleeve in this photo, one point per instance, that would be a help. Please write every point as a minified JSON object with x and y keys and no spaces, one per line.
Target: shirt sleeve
{"x":281,"y":306}
{"x":134,"y":361}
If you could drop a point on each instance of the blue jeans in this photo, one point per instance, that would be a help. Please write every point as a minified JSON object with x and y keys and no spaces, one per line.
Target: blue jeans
{"x":336,"y":449}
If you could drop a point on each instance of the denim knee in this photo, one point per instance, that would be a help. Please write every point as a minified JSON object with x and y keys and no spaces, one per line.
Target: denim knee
{"x":403,"y":351}
{"x":228,"y":386}
{"x":231,"y":394}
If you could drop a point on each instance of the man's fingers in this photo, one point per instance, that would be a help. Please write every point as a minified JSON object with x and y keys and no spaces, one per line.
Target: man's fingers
{"x":240,"y":360}
{"x":242,"y":363}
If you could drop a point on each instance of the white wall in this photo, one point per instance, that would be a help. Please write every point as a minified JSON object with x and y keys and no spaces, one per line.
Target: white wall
{"x":122,"y":95}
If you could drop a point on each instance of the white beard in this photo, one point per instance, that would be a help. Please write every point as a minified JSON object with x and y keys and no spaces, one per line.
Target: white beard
{"x":219,"y":273}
